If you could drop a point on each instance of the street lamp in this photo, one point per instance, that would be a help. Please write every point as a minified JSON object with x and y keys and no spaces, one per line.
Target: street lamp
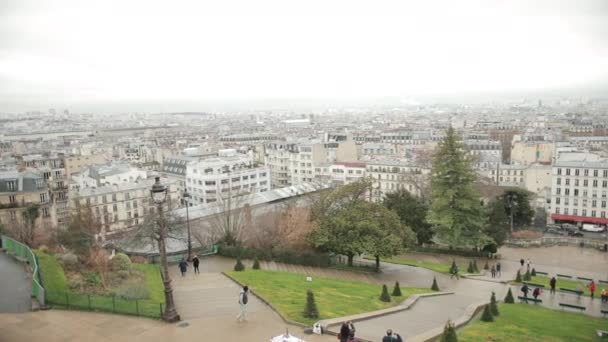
{"x":186,"y":197}
{"x":159,"y":196}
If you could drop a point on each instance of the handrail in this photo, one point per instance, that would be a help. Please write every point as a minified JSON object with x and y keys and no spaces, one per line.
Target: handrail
{"x":22,"y":250}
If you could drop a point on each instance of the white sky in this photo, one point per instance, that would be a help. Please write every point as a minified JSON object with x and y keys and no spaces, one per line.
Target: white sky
{"x":125,"y":50}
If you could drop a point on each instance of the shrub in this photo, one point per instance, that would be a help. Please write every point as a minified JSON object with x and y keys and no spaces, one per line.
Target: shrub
{"x":311,"y":310}
{"x":435,"y":287}
{"x":92,"y":278}
{"x":69,"y":261}
{"x":470,"y":269}
{"x":138,"y":259}
{"x":518,"y":277}
{"x":509,"y":297}
{"x":120,"y":262}
{"x":396,"y":290}
{"x":122,"y":274}
{"x":385,"y":297}
{"x":239,"y":265}
{"x":470,"y":253}
{"x":527,"y":276}
{"x":43,"y":249}
{"x":256,"y":264}
{"x":486,"y":316}
{"x":279,"y":255}
{"x":533,"y":273}
{"x":133,"y":292}
{"x":449,"y":333}
{"x":493,"y":305}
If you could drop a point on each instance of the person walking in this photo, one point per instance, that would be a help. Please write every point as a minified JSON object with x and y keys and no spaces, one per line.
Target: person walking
{"x":391,"y":337}
{"x":493,"y":271}
{"x":525,"y":290}
{"x":604,"y":295}
{"x":536,"y":293}
{"x":351,"y":331}
{"x":521,"y":261}
{"x":498,"y":268}
{"x":344,"y":334}
{"x":454,"y":272}
{"x":529,"y":262}
{"x":552,"y":283}
{"x":592,"y":288}
{"x":195,"y":263}
{"x":183,"y":267}
{"x":243,"y":300}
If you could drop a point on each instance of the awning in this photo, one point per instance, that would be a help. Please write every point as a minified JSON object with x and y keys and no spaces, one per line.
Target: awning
{"x":584,"y":219}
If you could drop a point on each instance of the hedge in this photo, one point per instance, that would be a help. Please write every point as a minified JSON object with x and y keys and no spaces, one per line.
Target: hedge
{"x":460,"y":252}
{"x":279,"y":255}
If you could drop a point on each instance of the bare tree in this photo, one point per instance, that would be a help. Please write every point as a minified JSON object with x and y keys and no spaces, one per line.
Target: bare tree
{"x":230,"y":217}
{"x":147,"y":233}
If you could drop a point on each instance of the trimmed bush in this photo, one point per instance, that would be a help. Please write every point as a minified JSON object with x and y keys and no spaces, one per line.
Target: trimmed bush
{"x":533,"y":273}
{"x":91,"y":278}
{"x":509,"y":297}
{"x":256,"y":264}
{"x":120,"y":262}
{"x":527,"y":276}
{"x":493,"y":305}
{"x":239,"y":267}
{"x":385,"y":297}
{"x":396,"y":290}
{"x":470,"y":269}
{"x":122,"y":274}
{"x":518,"y":277}
{"x":278,"y":255}
{"x":133,"y":292}
{"x":449,"y":333}
{"x":311,"y":310}
{"x":486,"y":316}
{"x":435,"y":287}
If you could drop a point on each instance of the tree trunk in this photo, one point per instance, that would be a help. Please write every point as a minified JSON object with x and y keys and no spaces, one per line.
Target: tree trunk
{"x":350,"y":259}
{"x":377,"y":263}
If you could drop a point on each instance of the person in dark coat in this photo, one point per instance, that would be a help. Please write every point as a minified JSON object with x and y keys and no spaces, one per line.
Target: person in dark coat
{"x":552,"y":283}
{"x":525,"y":290}
{"x":344,"y":332}
{"x":522,"y":261}
{"x":183,"y":267}
{"x":351,"y":330}
{"x":391,"y":337}
{"x":195,"y":263}
{"x":498,"y":268}
{"x":493,"y":271}
{"x":536,"y":293}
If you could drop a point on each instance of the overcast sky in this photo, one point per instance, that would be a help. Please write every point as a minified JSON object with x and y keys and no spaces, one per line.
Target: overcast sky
{"x":65,"y":53}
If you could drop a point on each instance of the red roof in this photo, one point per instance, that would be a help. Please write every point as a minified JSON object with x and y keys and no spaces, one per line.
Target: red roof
{"x":351,"y":164}
{"x":585,"y":219}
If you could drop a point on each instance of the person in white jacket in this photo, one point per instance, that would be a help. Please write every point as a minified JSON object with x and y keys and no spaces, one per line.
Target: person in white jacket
{"x":243,"y":300}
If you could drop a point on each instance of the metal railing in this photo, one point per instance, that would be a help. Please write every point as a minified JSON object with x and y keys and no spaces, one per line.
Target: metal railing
{"x":25,"y":254}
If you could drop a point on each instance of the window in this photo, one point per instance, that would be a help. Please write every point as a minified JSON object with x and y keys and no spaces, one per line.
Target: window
{"x":128,"y":205}
{"x":566,"y":200}
{"x":115,"y":208}
{"x":567,"y":192}
{"x":595,"y":183}
{"x":567,"y":172}
{"x":236,"y":179}
{"x":10,"y":185}
{"x":576,"y":182}
{"x":565,"y":211}
{"x":584,"y":202}
{"x":127,"y":196}
{"x":557,"y":210}
{"x":576,"y":172}
{"x":584,"y":212}
{"x":88,"y":202}
{"x":592,"y":213}
{"x":585,"y":193}
{"x":12,"y":199}
{"x":603,"y":214}
{"x":585,"y":182}
{"x":135,"y":204}
{"x":574,"y":212}
{"x":559,"y":181}
{"x":104,"y":199}
{"x":594,"y":173}
{"x":113,"y":197}
{"x":567,"y":181}
{"x":604,"y":184}
{"x":594,"y":203}
{"x":603,"y":204}
{"x":594,"y":194}
{"x":224,"y":181}
{"x":43,"y":197}
{"x":559,"y":171}
{"x":252,"y":176}
{"x":575,"y":201}
{"x":586,"y":172}
{"x":557,"y":200}
{"x":263,"y":174}
{"x":13,"y":215}
{"x":605,"y":173}
{"x":45,"y":212}
{"x":558,"y":191}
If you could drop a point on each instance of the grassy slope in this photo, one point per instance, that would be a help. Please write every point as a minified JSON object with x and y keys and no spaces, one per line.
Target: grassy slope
{"x":566,"y":283}
{"x":334,"y":298}
{"x":441,"y":268}
{"x":519,"y":322}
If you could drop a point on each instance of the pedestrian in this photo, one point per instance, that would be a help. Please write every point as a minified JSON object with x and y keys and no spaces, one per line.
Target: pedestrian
{"x":351,"y":331}
{"x":529,"y":262}
{"x":525,"y":290}
{"x":521,"y":262}
{"x":604,"y":294}
{"x":536,"y":293}
{"x":195,"y":263}
{"x":243,"y":300}
{"x":183,"y":267}
{"x":493,"y":271}
{"x":454,"y":272}
{"x":592,"y":289}
{"x":391,"y":337}
{"x":498,"y":268}
{"x":344,"y":332}
{"x":552,"y":283}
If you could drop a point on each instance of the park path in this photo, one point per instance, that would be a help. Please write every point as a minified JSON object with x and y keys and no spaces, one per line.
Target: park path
{"x":15,"y":286}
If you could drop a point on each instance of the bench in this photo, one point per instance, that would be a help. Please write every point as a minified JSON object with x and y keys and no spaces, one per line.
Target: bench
{"x":542,"y":273}
{"x":529,"y":299}
{"x":563,"y":276}
{"x":578,"y":292}
{"x":603,"y":281}
{"x":536,"y":285}
{"x":581,"y":278}
{"x":602,"y":333}
{"x":566,"y":305}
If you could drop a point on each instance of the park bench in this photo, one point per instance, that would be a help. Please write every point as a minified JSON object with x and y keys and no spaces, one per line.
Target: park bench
{"x":602,"y":333}
{"x":563,"y":276}
{"x":542,"y":273}
{"x":604,"y":312}
{"x":578,"y":292}
{"x":581,"y":278}
{"x":529,"y":299}
{"x":536,"y":285}
{"x":603,"y":281}
{"x":566,"y":305}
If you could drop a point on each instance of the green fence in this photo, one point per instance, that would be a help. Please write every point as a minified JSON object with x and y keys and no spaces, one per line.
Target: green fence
{"x":25,"y":254}
{"x":78,"y":301}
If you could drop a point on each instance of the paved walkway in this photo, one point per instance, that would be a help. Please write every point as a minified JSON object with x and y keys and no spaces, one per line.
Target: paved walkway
{"x":15,"y":286}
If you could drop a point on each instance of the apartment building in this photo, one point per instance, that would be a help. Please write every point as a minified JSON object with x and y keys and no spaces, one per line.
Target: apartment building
{"x":74,"y":163}
{"x":174,"y":168}
{"x":390,"y":175}
{"x":339,"y":173}
{"x":19,"y":190}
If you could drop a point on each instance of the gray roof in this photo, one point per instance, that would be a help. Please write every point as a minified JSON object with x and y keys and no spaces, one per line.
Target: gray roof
{"x":26,"y":181}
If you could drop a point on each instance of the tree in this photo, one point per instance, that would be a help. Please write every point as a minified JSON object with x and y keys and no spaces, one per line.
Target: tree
{"x":82,"y":231}
{"x":147,"y":233}
{"x":397,"y":290}
{"x":231,"y":213}
{"x":527,"y":276}
{"x":509,"y":297}
{"x":540,"y":218}
{"x":486,"y":316}
{"x":384,"y":296}
{"x":498,"y":222}
{"x":518,"y":277}
{"x":517,"y":206}
{"x":493,"y":305}
{"x":435,"y":287}
{"x":455,"y":213}
{"x":533,"y":273}
{"x":26,"y":232}
{"x":239,"y":267}
{"x":412,"y":212}
{"x":449,"y":333}
{"x":256,"y":264}
{"x":311,"y":310}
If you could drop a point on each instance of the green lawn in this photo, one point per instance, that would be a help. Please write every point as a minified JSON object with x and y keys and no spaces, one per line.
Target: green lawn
{"x":334,"y":298}
{"x":521,"y":322}
{"x":437,"y":267}
{"x":565,"y":283}
{"x":59,"y":295}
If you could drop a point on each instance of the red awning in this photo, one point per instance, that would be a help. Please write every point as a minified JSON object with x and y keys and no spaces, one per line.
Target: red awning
{"x":584,"y":219}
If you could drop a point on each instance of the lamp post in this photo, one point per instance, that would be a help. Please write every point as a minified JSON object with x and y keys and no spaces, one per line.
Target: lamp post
{"x":159,"y":196}
{"x":186,"y":197}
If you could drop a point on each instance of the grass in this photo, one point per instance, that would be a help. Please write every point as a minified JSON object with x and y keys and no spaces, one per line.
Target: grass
{"x":58,"y":293}
{"x":521,"y":322}
{"x":334,"y":297}
{"x":565,"y":283}
{"x":437,"y":267}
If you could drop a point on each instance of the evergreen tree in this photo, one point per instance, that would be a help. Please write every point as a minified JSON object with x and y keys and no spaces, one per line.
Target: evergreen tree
{"x":475,"y":269}
{"x":256,"y":263}
{"x":527,"y":276}
{"x":449,"y":333}
{"x":493,"y":305}
{"x":239,"y":265}
{"x":518,"y":277}
{"x":486,"y":316}
{"x":509,"y":297}
{"x":385,"y":297}
{"x":533,"y":273}
{"x":396,"y":290}
{"x":412,"y":212}
{"x":456,"y":213}
{"x":470,"y":269}
{"x":311,"y":310}
{"x":435,"y":287}
{"x":517,"y":201}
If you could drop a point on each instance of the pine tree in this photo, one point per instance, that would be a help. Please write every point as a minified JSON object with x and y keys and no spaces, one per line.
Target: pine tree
{"x":470,"y":269}
{"x":456,"y":213}
{"x":385,"y":297}
{"x":475,"y":269}
{"x":311,"y":310}
{"x":435,"y":287}
{"x":486,"y":316}
{"x":509,"y":297}
{"x":533,"y":273}
{"x":449,"y":333}
{"x":518,"y":277}
{"x":239,"y":265}
{"x":396,"y":290}
{"x":527,"y":276}
{"x":256,"y":264}
{"x":493,"y":305}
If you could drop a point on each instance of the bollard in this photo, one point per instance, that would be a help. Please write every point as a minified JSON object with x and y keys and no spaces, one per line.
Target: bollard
{"x":161,"y":309}
{"x":67,"y":300}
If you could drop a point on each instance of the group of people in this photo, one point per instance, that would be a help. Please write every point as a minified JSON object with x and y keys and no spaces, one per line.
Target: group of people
{"x":535,"y":293}
{"x":183,"y":265}
{"x":495,"y":270}
{"x":347,"y":332}
{"x":528,"y":263}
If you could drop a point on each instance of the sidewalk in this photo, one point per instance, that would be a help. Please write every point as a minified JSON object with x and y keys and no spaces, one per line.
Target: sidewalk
{"x":15,"y":286}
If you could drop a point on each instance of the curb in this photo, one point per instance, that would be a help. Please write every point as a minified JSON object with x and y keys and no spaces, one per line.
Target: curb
{"x":288,"y":321}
